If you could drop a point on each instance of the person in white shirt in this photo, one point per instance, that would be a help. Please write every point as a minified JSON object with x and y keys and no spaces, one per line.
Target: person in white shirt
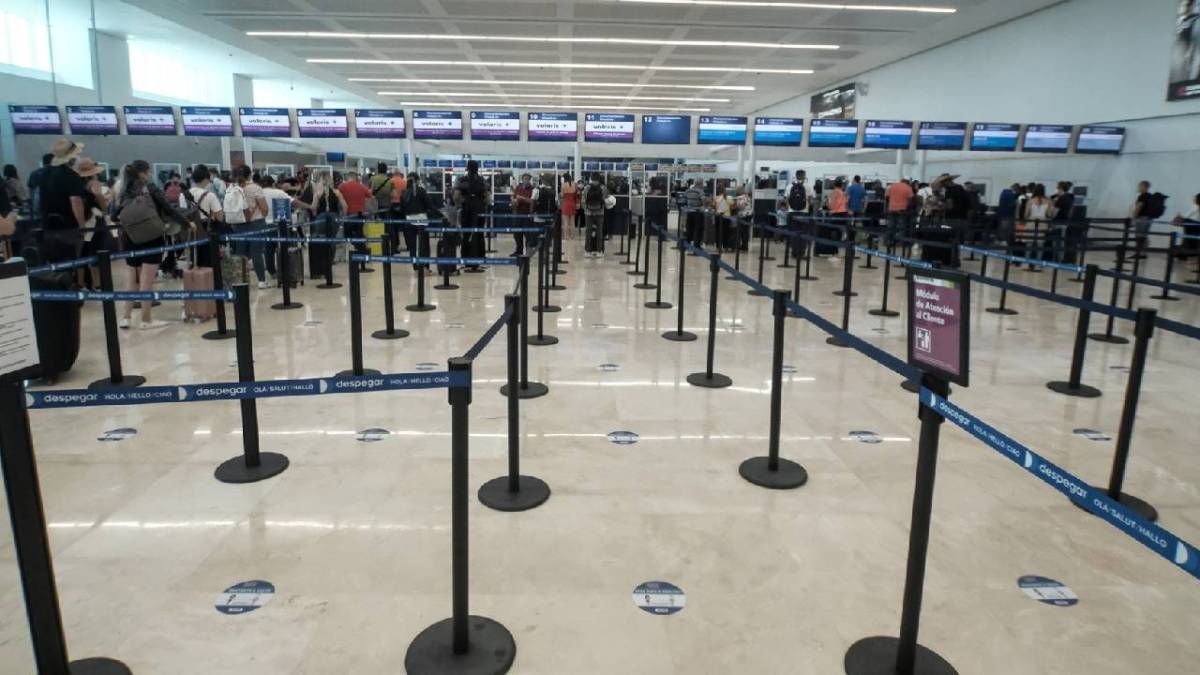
{"x":1191,"y":228}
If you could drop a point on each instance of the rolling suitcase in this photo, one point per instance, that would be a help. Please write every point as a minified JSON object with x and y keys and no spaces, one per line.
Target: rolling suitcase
{"x":445,"y":249}
{"x":320,"y":257}
{"x":295,"y":258}
{"x":235,"y":269}
{"x":198,"y":279}
{"x":56,"y":323}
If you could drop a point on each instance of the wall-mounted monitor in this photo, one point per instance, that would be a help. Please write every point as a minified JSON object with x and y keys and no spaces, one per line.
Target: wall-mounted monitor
{"x":779,"y":131}
{"x":554,"y":126}
{"x":942,"y":136}
{"x":488,"y":164}
{"x":487,"y":125}
{"x":438,"y":125}
{"x":206,"y":121}
{"x":666,"y":129}
{"x":322,"y":123}
{"x":607,"y":128}
{"x":564,"y":166}
{"x":265,"y":122}
{"x":1053,"y":138}
{"x":721,"y":131}
{"x":519,"y":163}
{"x":460,"y":163}
{"x":504,"y":164}
{"x":833,"y":133}
{"x":374,"y":123}
{"x":93,"y":120}
{"x":995,"y":137}
{"x":35,"y":119}
{"x":1094,"y":140}
{"x":150,"y":120}
{"x":888,"y":134}
{"x":591,"y":166}
{"x":429,"y":163}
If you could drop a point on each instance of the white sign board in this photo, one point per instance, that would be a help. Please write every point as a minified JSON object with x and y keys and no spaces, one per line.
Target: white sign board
{"x":18,"y":340}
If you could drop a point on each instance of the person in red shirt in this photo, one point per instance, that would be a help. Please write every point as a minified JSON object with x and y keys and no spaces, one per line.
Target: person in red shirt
{"x":355,"y":195}
{"x":899,"y":198}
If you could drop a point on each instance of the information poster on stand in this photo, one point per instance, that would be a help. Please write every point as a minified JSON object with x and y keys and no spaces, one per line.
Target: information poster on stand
{"x":35,"y":119}
{"x":489,"y":125}
{"x":608,"y":128}
{"x":554,"y":126}
{"x":372,"y":123}
{"x":265,"y":122}
{"x":445,"y":125}
{"x":206,"y":121}
{"x":939,"y":337}
{"x":779,"y":131}
{"x":93,"y":120}
{"x":322,"y":123}
{"x":18,"y":338}
{"x":150,"y":120}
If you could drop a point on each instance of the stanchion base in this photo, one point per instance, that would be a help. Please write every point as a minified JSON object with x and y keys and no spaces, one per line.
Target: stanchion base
{"x":769,"y":258}
{"x":98,"y":666}
{"x":1082,"y":391}
{"x":786,"y":266}
{"x":912,"y":386}
{"x":868,"y":267}
{"x":646,"y":287}
{"x":756,"y":293}
{"x":788,"y":476}
{"x":549,"y":309}
{"x":329,"y":286}
{"x":1004,"y":311}
{"x":287,"y":305}
{"x":658,"y":305}
{"x":475,"y":270}
{"x":877,"y":656}
{"x":627,"y":262}
{"x":634,"y":273}
{"x":556,"y":287}
{"x":420,"y":308}
{"x":716,"y":381}
{"x":1110,"y":339}
{"x":531,"y":390}
{"x":432,"y":653}
{"x":543,"y":341}
{"x":531,"y":493}
{"x":842,"y":294}
{"x":1163,"y":297}
{"x":1138,"y":506}
{"x":679,"y":336}
{"x":234,"y":470}
{"x":882,"y":312}
{"x":229,"y":334}
{"x":127,"y":382}
{"x":446,"y":287}
{"x":364,"y":270}
{"x":394,"y":335}
{"x":366,"y":372}
{"x":809,"y":277}
{"x":835,"y":342}
{"x":619,"y":254}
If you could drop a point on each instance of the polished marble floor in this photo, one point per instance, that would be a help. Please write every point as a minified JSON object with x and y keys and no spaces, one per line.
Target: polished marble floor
{"x":355,"y":535}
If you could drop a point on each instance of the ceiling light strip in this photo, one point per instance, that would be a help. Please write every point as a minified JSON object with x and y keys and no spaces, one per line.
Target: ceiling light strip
{"x":921,"y":9}
{"x":566,"y":66}
{"x":456,"y":104}
{"x":530,"y":38}
{"x":605,"y":97}
{"x":551,"y":83}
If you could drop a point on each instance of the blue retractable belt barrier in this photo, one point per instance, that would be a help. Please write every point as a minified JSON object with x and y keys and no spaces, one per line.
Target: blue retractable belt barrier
{"x":485,"y":339}
{"x":229,"y":391}
{"x":808,"y":237}
{"x":311,"y":240}
{"x":251,"y":233}
{"x":123,"y":255}
{"x":65,"y":265}
{"x":410,"y":260}
{"x":1106,"y":310}
{"x":1169,"y":546}
{"x":1177,"y":327}
{"x":493,"y":230}
{"x":893,"y":258}
{"x":1022,"y":260}
{"x":1182,"y":288}
{"x":117,"y":296}
{"x":387,"y":221}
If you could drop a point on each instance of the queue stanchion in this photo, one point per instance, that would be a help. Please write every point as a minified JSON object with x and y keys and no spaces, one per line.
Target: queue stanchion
{"x":285,"y":272}
{"x":514,"y":492}
{"x":887,"y":281}
{"x":543,"y":306}
{"x":633,"y":241}
{"x":810,"y":247}
{"x":788,"y":246}
{"x":252,"y":465}
{"x":525,"y":389}
{"x":709,"y":379}
{"x":1003,"y":309}
{"x":657,"y":303}
{"x":553,"y":265}
{"x":1035,"y":246}
{"x":637,"y":249}
{"x":390,"y":332}
{"x":214,"y":252}
{"x":1073,"y":386}
{"x":621,"y":251}
{"x":330,"y":251}
{"x":26,"y":513}
{"x":772,"y":471}
{"x":767,"y":251}
{"x":463,"y":644}
{"x":904,"y":655}
{"x":847,"y":289}
{"x":1170,"y":269}
{"x":116,"y":379}
{"x":645,"y":284}
{"x":421,"y":305}
{"x":679,"y":334}
{"x":846,"y":293}
{"x":1083,"y":250}
{"x":737,"y":252}
{"x":356,"y":356}
{"x":870,"y":247}
{"x":1107,"y":335}
{"x":446,"y":285}
{"x":1133,"y":281}
{"x":762,"y":258}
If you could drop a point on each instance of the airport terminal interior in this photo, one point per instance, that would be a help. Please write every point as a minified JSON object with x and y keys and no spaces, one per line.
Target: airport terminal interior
{"x":580,"y":337}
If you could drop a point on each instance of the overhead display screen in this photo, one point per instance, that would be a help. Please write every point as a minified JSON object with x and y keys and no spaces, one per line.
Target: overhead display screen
{"x":554,"y":126}
{"x":438,"y":125}
{"x":265,"y":122}
{"x":721,"y":130}
{"x":149,"y":120}
{"x":607,"y":128}
{"x":1047,"y":138}
{"x":199,"y":121}
{"x":35,"y":119}
{"x":495,"y":126}
{"x":373,"y":123}
{"x":942,"y":136}
{"x":995,"y":137}
{"x":667,"y":129}
{"x":833,"y":133}
{"x":782,"y":131}
{"x":322,"y":123}
{"x":888,"y":134}
{"x":1100,"y":140}
{"x":93,"y":120}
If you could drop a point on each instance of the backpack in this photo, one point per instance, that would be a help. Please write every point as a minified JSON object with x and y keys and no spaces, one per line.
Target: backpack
{"x":797,"y":197}
{"x":593,"y":199}
{"x":234,"y":205}
{"x":545,"y":200}
{"x":1156,"y":206}
{"x":474,"y":192}
{"x":140,"y":219}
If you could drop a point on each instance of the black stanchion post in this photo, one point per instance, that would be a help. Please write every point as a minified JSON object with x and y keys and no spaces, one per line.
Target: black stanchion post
{"x":1035,"y":247}
{"x":645,"y":282}
{"x":389,"y":311}
{"x":116,"y":378}
{"x":636,"y":248}
{"x":1083,"y":249}
{"x":709,"y":379}
{"x":554,"y":272}
{"x":773,"y":471}
{"x":763,"y":238}
{"x":514,"y":492}
{"x":1073,"y":386}
{"x":543,"y":306}
{"x":214,"y":253}
{"x":846,"y":293}
{"x":904,"y":656}
{"x":356,"y":356}
{"x":446,"y":285}
{"x":421,"y":305}
{"x":463,"y":644}
{"x":679,"y":334}
{"x":789,"y":244}
{"x":331,"y":250}
{"x":1107,"y":335}
{"x":1170,"y":269}
{"x":633,"y":240}
{"x":526,"y":389}
{"x":285,"y":271}
{"x":251,"y":466}
{"x":810,"y":247}
{"x":887,"y":281}
{"x":737,"y":251}
{"x":871,"y":247}
{"x":621,"y":251}
{"x":657,"y":303}
{"x":1002,"y":309}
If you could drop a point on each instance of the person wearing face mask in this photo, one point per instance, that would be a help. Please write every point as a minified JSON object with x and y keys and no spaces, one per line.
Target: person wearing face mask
{"x":522,"y":206}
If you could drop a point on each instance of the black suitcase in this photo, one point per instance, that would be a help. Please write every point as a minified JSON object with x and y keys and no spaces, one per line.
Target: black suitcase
{"x":941,"y":248}
{"x":445,"y":249}
{"x":57,"y":323}
{"x":831,"y":233}
{"x":320,"y":257}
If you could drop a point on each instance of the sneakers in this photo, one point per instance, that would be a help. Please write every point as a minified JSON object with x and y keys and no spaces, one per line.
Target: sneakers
{"x":153,"y":324}
{"x":123,"y":323}
{"x":264,"y":284}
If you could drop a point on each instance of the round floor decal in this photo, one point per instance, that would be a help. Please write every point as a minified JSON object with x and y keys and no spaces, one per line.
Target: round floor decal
{"x":623,"y":437}
{"x":245,"y":597}
{"x":659,"y":597}
{"x":1092,"y":434}
{"x":599,"y":326}
{"x":789,"y":370}
{"x":869,"y":437}
{"x":426,"y":365}
{"x":1048,"y":591}
{"x":372,"y":435}
{"x":114,"y":435}
{"x":609,"y":367}
{"x":310,"y":324}
{"x":455,"y":324}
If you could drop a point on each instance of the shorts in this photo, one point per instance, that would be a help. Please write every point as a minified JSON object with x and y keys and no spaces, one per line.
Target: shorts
{"x":148,"y":259}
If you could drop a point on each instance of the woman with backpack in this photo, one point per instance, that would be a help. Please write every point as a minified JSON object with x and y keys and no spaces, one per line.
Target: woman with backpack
{"x":245,"y":209}
{"x":416,"y":209}
{"x":143,"y":211}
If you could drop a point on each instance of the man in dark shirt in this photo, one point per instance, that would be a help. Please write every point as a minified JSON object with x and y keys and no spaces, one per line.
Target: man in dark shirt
{"x":959,"y":207}
{"x":63,"y":193}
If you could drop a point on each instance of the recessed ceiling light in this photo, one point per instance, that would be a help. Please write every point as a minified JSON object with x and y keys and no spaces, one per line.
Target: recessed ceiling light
{"x":551,"y":83}
{"x":567,"y":66}
{"x":455,"y":104}
{"x":799,"y":5}
{"x":605,"y":97}
{"x":531,"y":38}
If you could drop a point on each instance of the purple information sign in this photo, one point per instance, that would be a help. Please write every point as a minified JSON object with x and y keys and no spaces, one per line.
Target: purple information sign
{"x":938,"y":329}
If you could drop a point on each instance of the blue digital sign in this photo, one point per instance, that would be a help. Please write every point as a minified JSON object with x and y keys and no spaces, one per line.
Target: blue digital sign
{"x":833,"y":134}
{"x":666,"y":129}
{"x":721,"y":130}
{"x":942,"y":136}
{"x":782,"y":131}
{"x":1052,"y":138}
{"x":994,"y":137}
{"x":1095,"y":140}
{"x":888,"y":134}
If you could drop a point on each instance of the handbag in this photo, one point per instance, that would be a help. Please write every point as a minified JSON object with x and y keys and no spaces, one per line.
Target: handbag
{"x":140,"y":219}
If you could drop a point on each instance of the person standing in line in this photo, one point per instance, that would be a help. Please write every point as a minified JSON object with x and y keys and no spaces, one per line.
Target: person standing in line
{"x":1060,"y":234}
{"x":472,"y":196}
{"x":399,"y":186}
{"x":856,"y":197}
{"x":899,"y":198}
{"x":594,"y":197}
{"x":543,"y":210}
{"x":34,"y":183}
{"x":1191,"y":228}
{"x":417,"y":208}
{"x":570,"y":205}
{"x":693,"y":217}
{"x":8,"y":216}
{"x":839,"y":202}
{"x":245,"y":206}
{"x":62,"y":194}
{"x":136,"y":181}
{"x":1146,"y":208}
{"x":18,"y":192}
{"x":522,"y":205}
{"x":95,"y":233}
{"x":354,"y":196}
{"x":209,"y":206}
{"x":1037,"y":211}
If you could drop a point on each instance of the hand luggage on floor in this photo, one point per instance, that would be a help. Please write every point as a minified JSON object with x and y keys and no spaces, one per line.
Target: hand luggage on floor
{"x":831,"y":233}
{"x":445,"y":249}
{"x":941,"y":249}
{"x":295,"y":259}
{"x":319,"y":259}
{"x":235,"y":269}
{"x":473,"y":245}
{"x":56,"y":323}
{"x":198,"y":279}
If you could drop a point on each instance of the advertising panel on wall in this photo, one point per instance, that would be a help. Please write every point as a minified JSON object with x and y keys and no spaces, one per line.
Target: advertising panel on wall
{"x":265,"y":122}
{"x":833,"y":133}
{"x":1184,"y":79}
{"x":995,"y":137}
{"x":93,"y":120}
{"x":608,"y":128}
{"x":666,"y":129}
{"x":1052,"y":138}
{"x":1100,"y":140}
{"x":206,"y":121}
{"x":35,"y":119}
{"x":721,"y":131}
{"x":437,"y":125}
{"x":554,"y":126}
{"x":780,"y":131}
{"x":888,"y":134}
{"x":942,"y":136}
{"x":495,"y":126}
{"x":322,"y":123}
{"x":374,"y":123}
{"x":149,"y":120}
{"x":839,"y":103}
